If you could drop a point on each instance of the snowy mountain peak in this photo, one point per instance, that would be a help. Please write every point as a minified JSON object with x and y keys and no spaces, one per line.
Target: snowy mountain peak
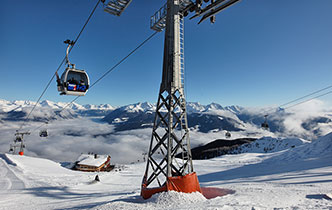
{"x":234,"y":109}
{"x":146,"y":105}
{"x":214,"y":106}
{"x":2,"y":101}
{"x":193,"y":107}
{"x":105,"y":106}
{"x":139,"y":107}
{"x":50,"y":104}
{"x":76,"y":106}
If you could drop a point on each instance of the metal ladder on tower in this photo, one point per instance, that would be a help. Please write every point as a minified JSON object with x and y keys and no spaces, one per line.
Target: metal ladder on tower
{"x":181,"y":39}
{"x":182,"y":51}
{"x":184,"y":125}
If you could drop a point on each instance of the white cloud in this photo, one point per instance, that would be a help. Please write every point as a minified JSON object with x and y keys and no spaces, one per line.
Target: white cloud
{"x":303,"y":112}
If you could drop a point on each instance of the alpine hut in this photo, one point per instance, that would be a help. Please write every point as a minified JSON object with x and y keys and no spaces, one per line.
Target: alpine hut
{"x":93,"y":162}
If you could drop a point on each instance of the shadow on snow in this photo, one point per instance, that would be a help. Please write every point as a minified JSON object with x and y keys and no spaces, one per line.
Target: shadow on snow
{"x":295,"y":172}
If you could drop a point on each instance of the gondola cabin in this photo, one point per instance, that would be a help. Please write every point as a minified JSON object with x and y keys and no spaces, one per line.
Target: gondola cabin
{"x":43,"y":133}
{"x":265,"y":126}
{"x":228,"y":135}
{"x":18,"y":139}
{"x":73,"y":82}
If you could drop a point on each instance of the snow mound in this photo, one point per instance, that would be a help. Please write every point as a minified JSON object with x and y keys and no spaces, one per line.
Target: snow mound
{"x":172,"y":197}
{"x":165,"y":200}
{"x":38,"y":165}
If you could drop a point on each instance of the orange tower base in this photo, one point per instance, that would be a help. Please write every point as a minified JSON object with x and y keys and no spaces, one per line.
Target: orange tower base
{"x":187,"y":184}
{"x":21,"y":153}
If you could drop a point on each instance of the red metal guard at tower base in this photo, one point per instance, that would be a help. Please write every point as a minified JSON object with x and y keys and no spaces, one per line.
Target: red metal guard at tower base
{"x":187,"y":184}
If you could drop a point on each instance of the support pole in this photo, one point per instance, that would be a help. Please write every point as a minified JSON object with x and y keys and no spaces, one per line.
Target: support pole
{"x":169,"y":165}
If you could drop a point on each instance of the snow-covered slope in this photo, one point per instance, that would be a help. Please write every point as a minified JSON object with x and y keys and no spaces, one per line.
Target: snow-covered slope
{"x":221,"y":147}
{"x":320,"y":148}
{"x":269,"y":144}
{"x":295,"y":178}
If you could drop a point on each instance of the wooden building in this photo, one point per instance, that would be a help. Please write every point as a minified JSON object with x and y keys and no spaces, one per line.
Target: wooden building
{"x":93,"y":162}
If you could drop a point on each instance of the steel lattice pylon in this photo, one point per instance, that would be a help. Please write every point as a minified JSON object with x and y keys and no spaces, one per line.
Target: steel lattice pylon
{"x":169,"y":153}
{"x":170,"y":137}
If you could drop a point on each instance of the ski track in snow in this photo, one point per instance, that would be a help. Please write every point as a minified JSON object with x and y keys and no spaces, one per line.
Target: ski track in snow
{"x":10,"y":185}
{"x":8,"y":180}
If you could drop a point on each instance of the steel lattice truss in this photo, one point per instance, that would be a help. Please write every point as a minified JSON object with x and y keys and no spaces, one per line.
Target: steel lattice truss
{"x":170,"y":139}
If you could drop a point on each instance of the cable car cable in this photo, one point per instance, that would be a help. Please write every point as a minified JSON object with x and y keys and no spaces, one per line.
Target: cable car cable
{"x":269,"y":111}
{"x":309,"y":99}
{"x":64,"y":59}
{"x":123,"y":59}
{"x":313,"y":93}
{"x":63,"y":108}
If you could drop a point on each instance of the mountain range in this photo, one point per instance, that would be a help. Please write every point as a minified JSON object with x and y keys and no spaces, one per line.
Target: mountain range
{"x":202,"y":118}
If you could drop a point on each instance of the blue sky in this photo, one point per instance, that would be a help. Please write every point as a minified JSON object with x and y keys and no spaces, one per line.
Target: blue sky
{"x":258,"y":53}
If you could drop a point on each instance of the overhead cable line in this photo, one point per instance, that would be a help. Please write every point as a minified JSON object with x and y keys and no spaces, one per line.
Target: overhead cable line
{"x":269,"y":111}
{"x":63,"y":108}
{"x":324,"y":94}
{"x":63,"y":60}
{"x":313,"y":93}
{"x":123,"y":59}
{"x":107,"y":72}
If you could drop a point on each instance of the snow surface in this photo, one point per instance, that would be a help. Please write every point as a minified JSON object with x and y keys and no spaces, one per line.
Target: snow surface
{"x":269,"y":144}
{"x":295,"y":178}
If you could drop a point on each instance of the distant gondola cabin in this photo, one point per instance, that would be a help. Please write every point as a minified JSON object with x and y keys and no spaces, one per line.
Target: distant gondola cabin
{"x":43,"y":133}
{"x":228,"y":134}
{"x":265,"y":126}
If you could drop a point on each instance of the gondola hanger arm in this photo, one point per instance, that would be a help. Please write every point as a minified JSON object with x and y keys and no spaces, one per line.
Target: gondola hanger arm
{"x":70,"y":44}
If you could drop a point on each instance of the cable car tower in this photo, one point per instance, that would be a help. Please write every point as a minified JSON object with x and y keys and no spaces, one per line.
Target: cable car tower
{"x":170,"y":134}
{"x":18,"y":143}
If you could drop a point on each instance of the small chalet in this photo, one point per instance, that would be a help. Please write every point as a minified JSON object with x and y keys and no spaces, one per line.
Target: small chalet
{"x":93,"y":162}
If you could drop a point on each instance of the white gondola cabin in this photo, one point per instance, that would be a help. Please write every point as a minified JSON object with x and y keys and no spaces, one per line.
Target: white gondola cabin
{"x":73,"y":81}
{"x":43,"y":133}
